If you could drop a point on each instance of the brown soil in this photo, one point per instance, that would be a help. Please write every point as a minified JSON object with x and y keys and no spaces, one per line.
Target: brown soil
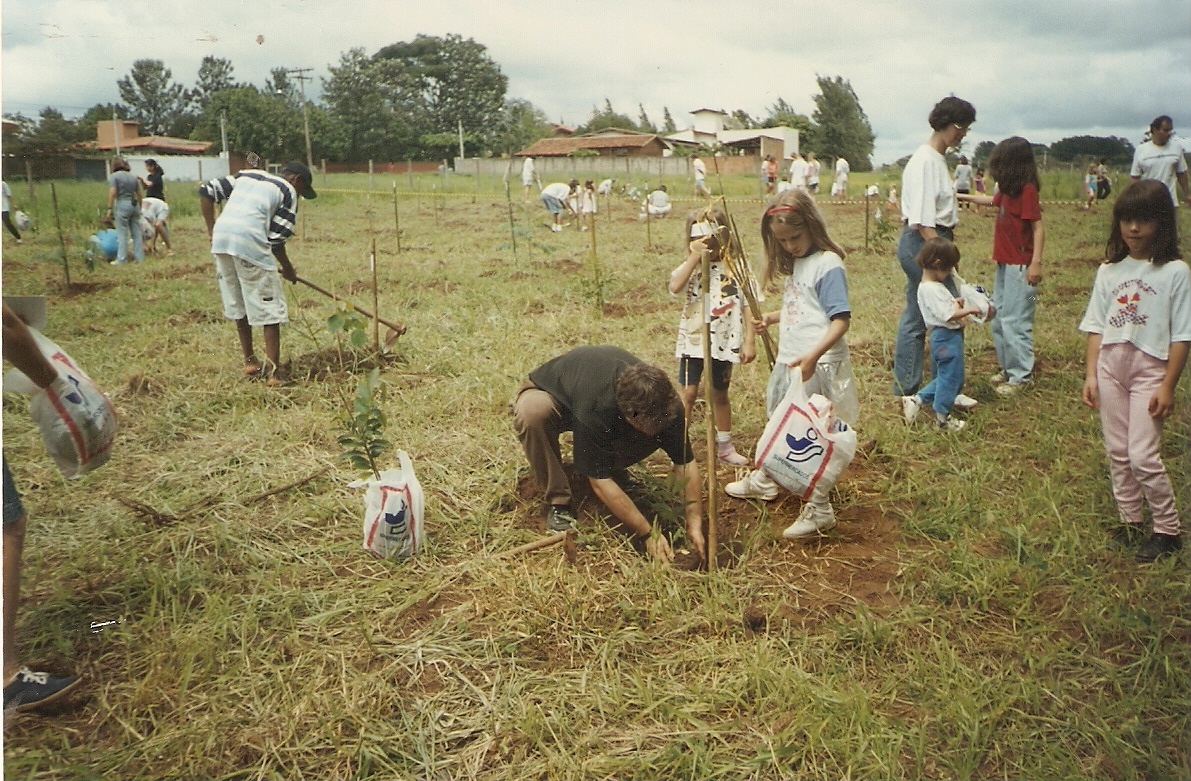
{"x":854,"y":563}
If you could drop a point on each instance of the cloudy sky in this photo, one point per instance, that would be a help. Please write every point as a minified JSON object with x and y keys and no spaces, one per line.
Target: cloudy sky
{"x":1044,"y":69}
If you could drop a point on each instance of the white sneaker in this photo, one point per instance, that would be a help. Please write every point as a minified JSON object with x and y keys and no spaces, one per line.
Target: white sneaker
{"x":556,"y":228}
{"x":814,"y":519}
{"x":910,"y":407}
{"x":755,"y":485}
{"x":950,"y":424}
{"x":998,"y":379}
{"x":965,"y":403}
{"x":1010,"y":388}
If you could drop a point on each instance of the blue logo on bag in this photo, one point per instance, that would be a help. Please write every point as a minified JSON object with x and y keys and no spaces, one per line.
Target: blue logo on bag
{"x":396,"y":519}
{"x":803,"y":448}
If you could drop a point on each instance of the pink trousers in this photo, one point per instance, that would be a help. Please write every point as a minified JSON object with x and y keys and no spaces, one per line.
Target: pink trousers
{"x":1127,"y":379}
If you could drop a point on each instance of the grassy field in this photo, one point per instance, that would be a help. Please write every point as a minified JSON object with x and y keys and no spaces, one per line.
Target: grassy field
{"x":968,"y":617}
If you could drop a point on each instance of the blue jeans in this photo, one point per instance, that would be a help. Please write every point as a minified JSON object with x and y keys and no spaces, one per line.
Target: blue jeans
{"x":947,"y":361}
{"x":1013,"y":327}
{"x":909,"y":349}
{"x":128,"y":218}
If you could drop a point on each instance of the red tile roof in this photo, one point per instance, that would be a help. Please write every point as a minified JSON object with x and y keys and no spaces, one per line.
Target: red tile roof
{"x":561,"y":147}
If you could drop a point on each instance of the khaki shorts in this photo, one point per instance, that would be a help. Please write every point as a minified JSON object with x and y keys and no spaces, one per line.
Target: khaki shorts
{"x":250,"y":291}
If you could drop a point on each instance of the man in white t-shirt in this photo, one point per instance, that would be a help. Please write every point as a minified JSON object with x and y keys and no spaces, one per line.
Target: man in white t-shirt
{"x":1163,"y":159}
{"x":798,"y":170}
{"x":557,"y":197}
{"x":657,"y":203}
{"x":700,"y":169}
{"x":839,"y":188}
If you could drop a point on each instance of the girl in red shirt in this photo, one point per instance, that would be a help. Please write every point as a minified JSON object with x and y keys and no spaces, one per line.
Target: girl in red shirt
{"x":1017,"y":250}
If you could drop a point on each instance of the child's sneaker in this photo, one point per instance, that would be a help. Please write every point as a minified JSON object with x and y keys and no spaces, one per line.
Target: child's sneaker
{"x":755,"y":485}
{"x":30,"y":690}
{"x":726,"y":452}
{"x":910,"y":407}
{"x":1156,"y":546}
{"x":950,"y":424}
{"x":813,"y":520}
{"x":964,"y":403}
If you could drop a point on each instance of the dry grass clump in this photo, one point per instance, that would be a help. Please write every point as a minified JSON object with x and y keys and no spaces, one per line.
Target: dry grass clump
{"x":966,"y":618}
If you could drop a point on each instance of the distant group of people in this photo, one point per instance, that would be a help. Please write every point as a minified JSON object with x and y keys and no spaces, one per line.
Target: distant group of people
{"x":137,"y":213}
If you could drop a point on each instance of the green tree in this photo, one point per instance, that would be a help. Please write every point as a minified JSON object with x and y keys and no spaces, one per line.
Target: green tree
{"x":782,"y":114}
{"x":51,"y":132}
{"x":376,"y":119}
{"x":257,"y":121}
{"x":668,"y":125}
{"x":644,"y":123}
{"x":841,"y":128}
{"x":445,"y":81}
{"x":521,"y":124}
{"x":214,"y":75}
{"x":155,"y":101}
{"x":607,"y":117}
{"x":740,"y":120}
{"x":981,"y":152}
{"x":1118,"y":151}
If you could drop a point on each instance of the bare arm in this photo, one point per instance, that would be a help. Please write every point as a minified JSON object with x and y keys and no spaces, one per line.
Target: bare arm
{"x":980,"y":200}
{"x":207,"y":207}
{"x":22,"y":352}
{"x":1091,"y":387}
{"x":1034,"y":271}
{"x":682,"y":273}
{"x":287,"y":269}
{"x":1162,"y":403}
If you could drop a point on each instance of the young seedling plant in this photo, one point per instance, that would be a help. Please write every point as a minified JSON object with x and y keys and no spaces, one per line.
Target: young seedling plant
{"x":365,"y":422}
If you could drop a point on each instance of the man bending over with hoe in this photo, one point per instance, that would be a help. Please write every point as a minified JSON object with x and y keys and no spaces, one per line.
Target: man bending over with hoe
{"x":621,"y":410}
{"x":248,"y":242}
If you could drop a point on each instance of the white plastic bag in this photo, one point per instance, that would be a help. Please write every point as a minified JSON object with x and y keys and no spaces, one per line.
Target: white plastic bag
{"x":76,"y":419}
{"x":804,"y":446}
{"x":394,"y":507}
{"x":22,"y":221}
{"x":974,"y":295}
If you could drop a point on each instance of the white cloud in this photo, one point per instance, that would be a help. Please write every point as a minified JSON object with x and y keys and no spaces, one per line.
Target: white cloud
{"x":1043,"y":70}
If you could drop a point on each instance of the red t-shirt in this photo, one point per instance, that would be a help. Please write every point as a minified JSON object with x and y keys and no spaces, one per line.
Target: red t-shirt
{"x":1013,"y":235}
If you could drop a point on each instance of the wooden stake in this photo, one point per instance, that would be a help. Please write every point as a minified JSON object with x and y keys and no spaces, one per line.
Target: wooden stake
{"x":545,"y":542}
{"x":711,"y":444}
{"x":512,"y":225}
{"x":396,"y":217}
{"x":375,"y":299}
{"x":61,"y":238}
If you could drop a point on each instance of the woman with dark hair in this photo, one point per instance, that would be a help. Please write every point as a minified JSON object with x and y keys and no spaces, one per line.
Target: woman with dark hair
{"x":1161,"y":159}
{"x":929,"y":209}
{"x":154,"y":184}
{"x":124,"y":208}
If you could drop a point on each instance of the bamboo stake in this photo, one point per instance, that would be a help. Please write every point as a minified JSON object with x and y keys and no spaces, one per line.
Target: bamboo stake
{"x":61,"y":238}
{"x":396,"y":217}
{"x":512,"y":225}
{"x":711,"y":487}
{"x":375,"y":299}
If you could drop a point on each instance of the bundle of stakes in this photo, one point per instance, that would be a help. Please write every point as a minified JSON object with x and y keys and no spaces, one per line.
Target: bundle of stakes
{"x":732,"y":253}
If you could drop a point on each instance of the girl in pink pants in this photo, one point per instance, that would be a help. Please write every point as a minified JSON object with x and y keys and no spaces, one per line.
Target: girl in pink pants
{"x":1138,"y":324}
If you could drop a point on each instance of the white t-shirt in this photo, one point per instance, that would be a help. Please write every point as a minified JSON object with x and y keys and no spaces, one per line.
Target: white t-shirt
{"x":798,"y":170}
{"x":842,"y":168}
{"x":559,"y":190}
{"x":1161,"y":163}
{"x":659,"y":199}
{"x":963,"y":176}
{"x":6,"y":197}
{"x":727,"y":316}
{"x":928,"y":197}
{"x":938,"y":305}
{"x":588,"y":200}
{"x":527,"y":172}
{"x":155,"y":210}
{"x":812,"y":172}
{"x":605,"y":187}
{"x":817,"y":290}
{"x":700,"y":169}
{"x":1145,"y":305}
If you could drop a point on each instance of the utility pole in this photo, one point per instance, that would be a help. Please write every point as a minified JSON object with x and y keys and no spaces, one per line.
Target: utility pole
{"x":301,"y":75}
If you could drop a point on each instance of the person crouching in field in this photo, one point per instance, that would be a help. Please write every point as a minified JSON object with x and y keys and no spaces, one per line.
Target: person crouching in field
{"x":1138,"y":323}
{"x":620,"y":410}
{"x":248,"y":242}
